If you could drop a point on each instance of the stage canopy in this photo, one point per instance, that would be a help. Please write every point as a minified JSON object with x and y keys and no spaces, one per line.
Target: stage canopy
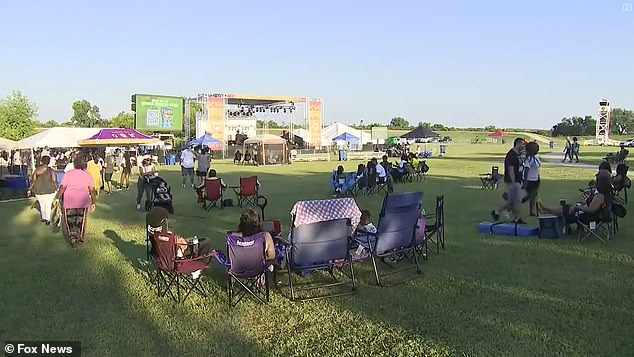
{"x":497,"y":134}
{"x":6,"y":144}
{"x":267,"y":139}
{"x":420,"y":133}
{"x":118,"y":137}
{"x":58,"y":137}
{"x":240,"y":99}
{"x":206,"y":140}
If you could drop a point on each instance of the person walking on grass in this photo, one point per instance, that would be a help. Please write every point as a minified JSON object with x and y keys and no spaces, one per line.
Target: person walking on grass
{"x":567,"y":150}
{"x":109,"y":164}
{"x":44,"y":187}
{"x":188,"y":156}
{"x":531,"y":176}
{"x":512,"y":182}
{"x":574,"y":149}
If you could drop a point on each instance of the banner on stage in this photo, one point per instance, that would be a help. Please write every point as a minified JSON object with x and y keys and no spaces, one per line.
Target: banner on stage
{"x":379,"y":133}
{"x":315,"y":122}
{"x":216,"y":117}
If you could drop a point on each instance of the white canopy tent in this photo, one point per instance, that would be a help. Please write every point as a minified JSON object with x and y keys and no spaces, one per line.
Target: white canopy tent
{"x":57,"y":137}
{"x":6,"y":144}
{"x":272,"y":149}
{"x":332,"y":131}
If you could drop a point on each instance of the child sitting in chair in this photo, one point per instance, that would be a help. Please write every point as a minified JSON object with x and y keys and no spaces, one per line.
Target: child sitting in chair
{"x":339,"y":180}
{"x":364,"y":227}
{"x":211,"y":175}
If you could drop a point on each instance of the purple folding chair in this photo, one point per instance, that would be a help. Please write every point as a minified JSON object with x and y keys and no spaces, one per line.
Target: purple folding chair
{"x":247,"y":268}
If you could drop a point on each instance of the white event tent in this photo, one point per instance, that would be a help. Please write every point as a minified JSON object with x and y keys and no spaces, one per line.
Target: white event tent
{"x":58,"y":137}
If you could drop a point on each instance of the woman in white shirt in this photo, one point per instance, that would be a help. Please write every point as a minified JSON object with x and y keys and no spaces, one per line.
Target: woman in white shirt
{"x":147,"y":172}
{"x":531,"y":176}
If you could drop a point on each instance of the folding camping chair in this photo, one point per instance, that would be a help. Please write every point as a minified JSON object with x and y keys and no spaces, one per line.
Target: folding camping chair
{"x":175,"y":273}
{"x":247,"y":269}
{"x":435,"y":233}
{"x":381,"y":184}
{"x":395,"y":236}
{"x":319,"y":247}
{"x":490,"y":181}
{"x":421,"y":172}
{"x":602,"y":229}
{"x":212,"y":194}
{"x":247,"y":193}
{"x":345,"y":188}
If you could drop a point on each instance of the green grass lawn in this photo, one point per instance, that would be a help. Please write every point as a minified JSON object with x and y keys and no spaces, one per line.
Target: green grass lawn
{"x":482,"y":296}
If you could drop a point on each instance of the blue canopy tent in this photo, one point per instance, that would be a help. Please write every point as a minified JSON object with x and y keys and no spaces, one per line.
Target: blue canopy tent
{"x":347,"y":139}
{"x":206,"y":140}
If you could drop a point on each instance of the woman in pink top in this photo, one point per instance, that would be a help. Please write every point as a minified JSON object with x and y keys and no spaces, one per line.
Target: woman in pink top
{"x":79,"y":195}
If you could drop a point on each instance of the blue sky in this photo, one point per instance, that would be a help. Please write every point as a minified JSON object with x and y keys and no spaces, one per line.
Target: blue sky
{"x":460,"y":63}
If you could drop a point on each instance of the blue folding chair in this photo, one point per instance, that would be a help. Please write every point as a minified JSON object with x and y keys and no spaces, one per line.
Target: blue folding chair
{"x":319,"y":247}
{"x":395,"y":237}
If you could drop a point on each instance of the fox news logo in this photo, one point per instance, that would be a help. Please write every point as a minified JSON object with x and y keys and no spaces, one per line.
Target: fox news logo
{"x":48,"y":348}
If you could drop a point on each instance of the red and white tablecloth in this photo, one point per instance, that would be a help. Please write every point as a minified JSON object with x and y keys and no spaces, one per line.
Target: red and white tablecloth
{"x":306,"y":212}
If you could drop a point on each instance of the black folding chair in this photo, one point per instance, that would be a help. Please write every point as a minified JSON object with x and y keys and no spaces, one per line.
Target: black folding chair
{"x":435,"y":232}
{"x":490,"y":180}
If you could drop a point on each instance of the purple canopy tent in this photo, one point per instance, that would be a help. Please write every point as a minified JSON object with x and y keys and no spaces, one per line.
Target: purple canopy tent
{"x":118,"y":137}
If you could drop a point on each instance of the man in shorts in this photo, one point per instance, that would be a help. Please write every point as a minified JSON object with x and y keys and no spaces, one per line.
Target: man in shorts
{"x":512,"y":182}
{"x":108,"y":171}
{"x":188,"y":156}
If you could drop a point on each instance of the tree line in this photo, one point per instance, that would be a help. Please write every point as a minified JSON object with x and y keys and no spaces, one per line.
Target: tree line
{"x":18,"y":119}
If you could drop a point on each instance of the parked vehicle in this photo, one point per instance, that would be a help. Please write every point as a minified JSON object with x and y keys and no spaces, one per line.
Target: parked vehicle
{"x":628,"y":143}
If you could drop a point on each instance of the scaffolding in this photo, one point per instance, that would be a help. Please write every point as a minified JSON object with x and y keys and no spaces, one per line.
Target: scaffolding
{"x":603,"y":123}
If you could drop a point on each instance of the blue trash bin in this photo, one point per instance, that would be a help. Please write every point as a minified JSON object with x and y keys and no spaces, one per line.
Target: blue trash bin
{"x":343,"y":155}
{"x":443,"y":149}
{"x":551,"y":145}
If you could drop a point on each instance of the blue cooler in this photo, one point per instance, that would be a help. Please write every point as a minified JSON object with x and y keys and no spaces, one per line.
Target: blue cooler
{"x":550,"y":226}
{"x":508,"y":229}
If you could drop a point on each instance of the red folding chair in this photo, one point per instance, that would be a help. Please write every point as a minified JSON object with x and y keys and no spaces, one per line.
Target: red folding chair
{"x":176,"y":273}
{"x":247,"y":193}
{"x":212,"y":193}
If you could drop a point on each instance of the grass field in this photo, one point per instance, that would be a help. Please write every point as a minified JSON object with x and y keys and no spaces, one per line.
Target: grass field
{"x":482,"y":296}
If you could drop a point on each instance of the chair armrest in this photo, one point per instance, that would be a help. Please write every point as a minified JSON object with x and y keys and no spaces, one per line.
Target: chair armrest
{"x":200,"y":257}
{"x":282,"y":240}
{"x":363,"y":233}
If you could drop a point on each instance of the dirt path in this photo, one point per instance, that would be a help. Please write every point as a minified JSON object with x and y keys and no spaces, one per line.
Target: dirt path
{"x":556,"y":159}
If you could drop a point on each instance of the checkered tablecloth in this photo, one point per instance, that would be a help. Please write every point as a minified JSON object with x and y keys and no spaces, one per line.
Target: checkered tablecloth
{"x":306,"y":212}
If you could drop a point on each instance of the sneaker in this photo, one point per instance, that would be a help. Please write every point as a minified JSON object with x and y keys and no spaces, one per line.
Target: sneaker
{"x":183,"y":185}
{"x":138,"y":207}
{"x":495,"y":215}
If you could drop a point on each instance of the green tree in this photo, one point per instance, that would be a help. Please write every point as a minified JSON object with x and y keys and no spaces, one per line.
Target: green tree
{"x":439,"y":127}
{"x":399,"y":123}
{"x":272,"y":124}
{"x":85,"y":115}
{"x":17,"y":117}
{"x":260,"y":124}
{"x":621,"y":121}
{"x":194,"y":109}
{"x":122,"y":120}
{"x":49,"y":124}
{"x":424,"y":125}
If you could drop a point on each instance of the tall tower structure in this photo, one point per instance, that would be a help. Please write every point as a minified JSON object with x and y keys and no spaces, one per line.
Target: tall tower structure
{"x":603,"y":123}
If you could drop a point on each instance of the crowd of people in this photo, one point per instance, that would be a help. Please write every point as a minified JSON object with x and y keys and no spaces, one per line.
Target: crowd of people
{"x":368,"y":175}
{"x":522,"y":180}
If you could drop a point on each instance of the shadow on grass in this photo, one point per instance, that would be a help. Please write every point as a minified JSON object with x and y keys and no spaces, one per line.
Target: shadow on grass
{"x":518,"y":297}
